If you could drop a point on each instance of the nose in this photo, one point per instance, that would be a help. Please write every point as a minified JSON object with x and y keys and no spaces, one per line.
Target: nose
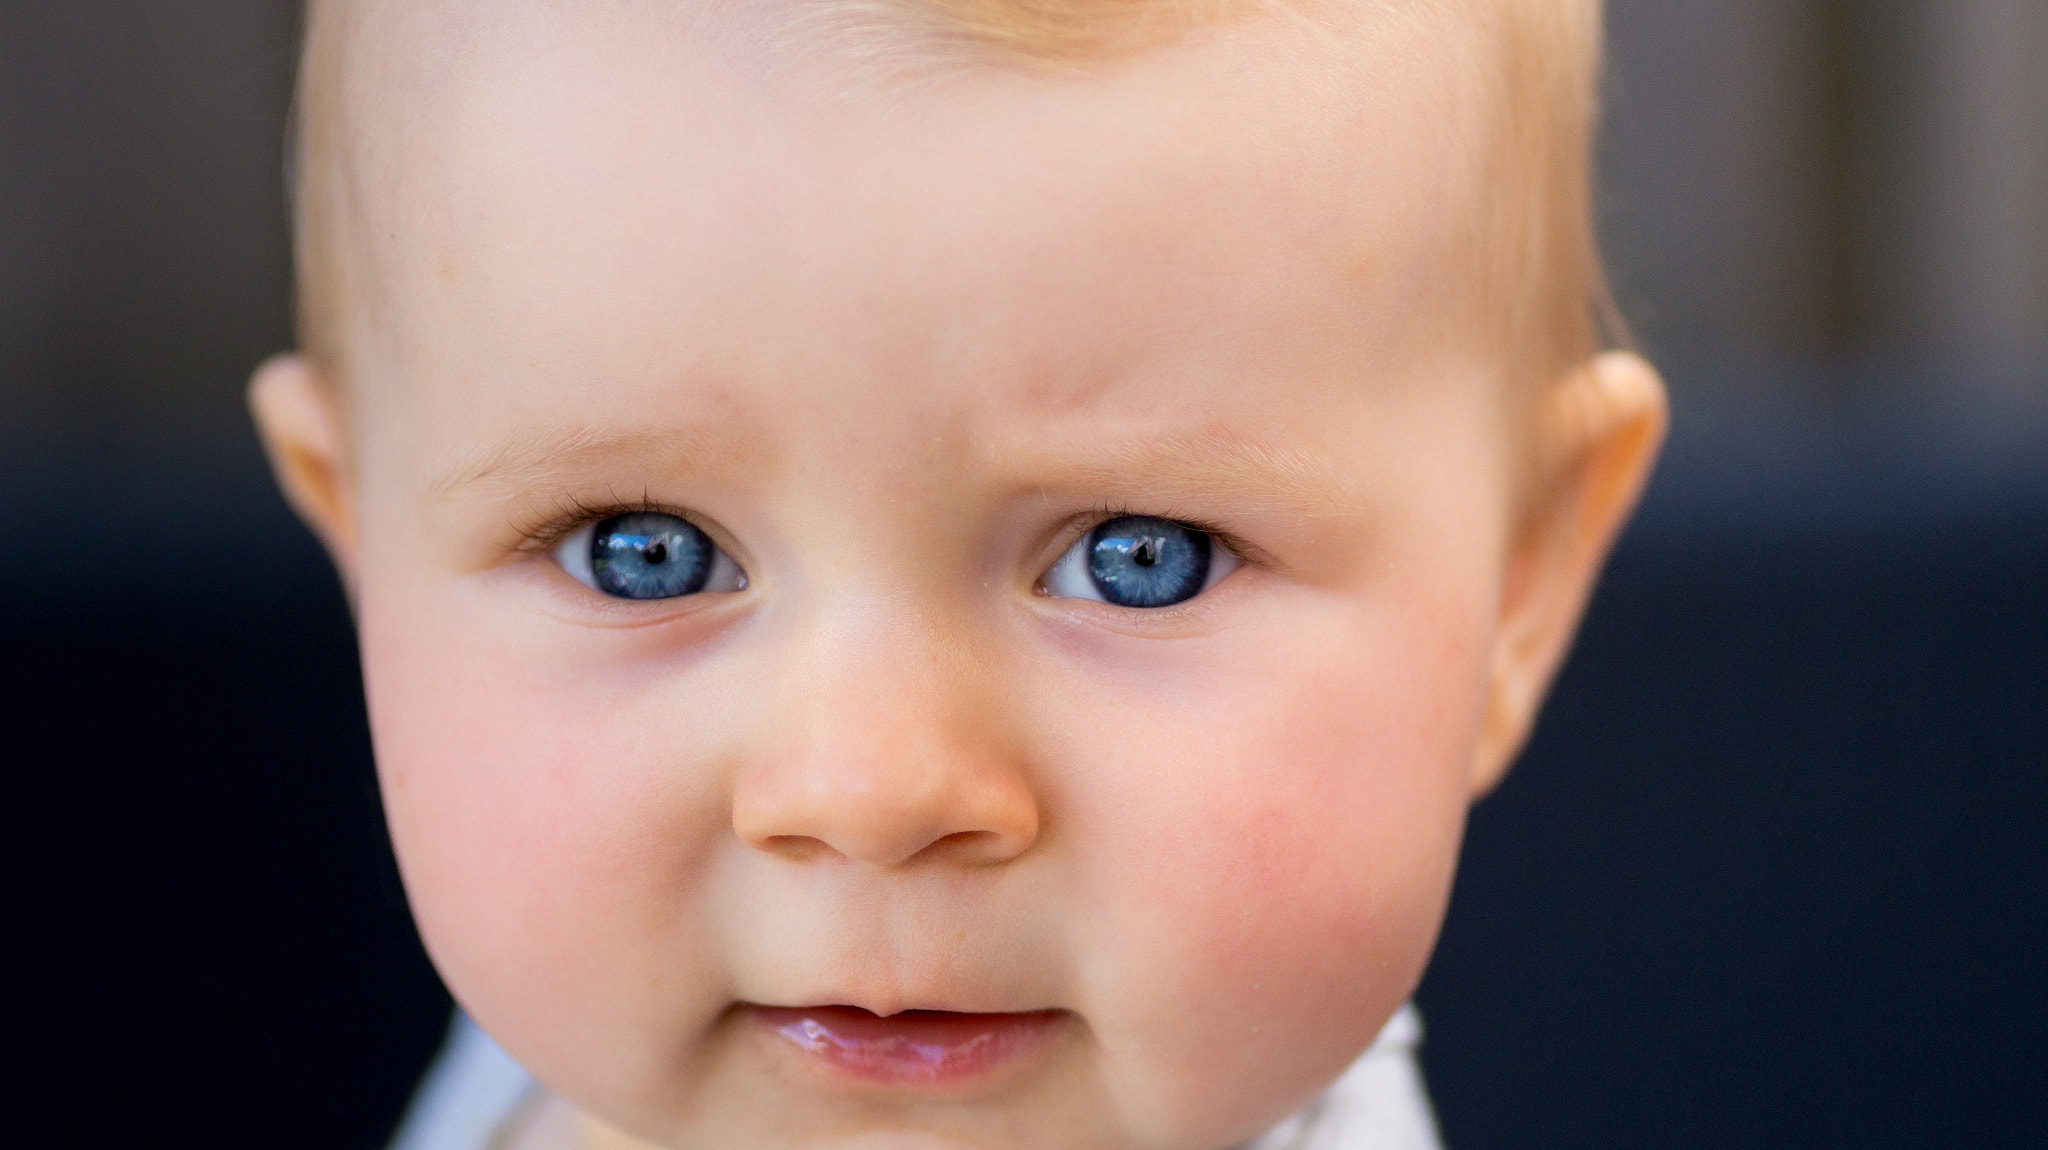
{"x":888,"y":751}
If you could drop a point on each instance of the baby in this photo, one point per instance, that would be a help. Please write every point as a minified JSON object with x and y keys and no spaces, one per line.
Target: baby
{"x":943,"y":573}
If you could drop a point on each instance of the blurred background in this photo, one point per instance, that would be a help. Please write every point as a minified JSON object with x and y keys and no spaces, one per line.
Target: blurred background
{"x":1771,"y":874}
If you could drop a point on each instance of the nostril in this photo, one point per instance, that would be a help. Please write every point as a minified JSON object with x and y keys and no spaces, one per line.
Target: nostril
{"x":795,"y":848}
{"x":973,"y":847}
{"x":959,"y":844}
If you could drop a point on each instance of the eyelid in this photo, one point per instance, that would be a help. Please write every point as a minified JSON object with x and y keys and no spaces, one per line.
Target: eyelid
{"x":1084,"y":522}
{"x":1078,"y":528}
{"x":541,"y":533}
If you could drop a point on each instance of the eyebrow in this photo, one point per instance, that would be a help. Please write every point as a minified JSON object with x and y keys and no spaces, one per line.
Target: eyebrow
{"x":522,"y":462}
{"x":1201,"y":464}
{"x":1195,"y":466}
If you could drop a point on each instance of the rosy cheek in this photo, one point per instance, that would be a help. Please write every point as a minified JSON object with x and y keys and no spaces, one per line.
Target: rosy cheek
{"x":1349,"y":806}
{"x":472,"y":771}
{"x":1277,"y":878}
{"x":545,"y":838}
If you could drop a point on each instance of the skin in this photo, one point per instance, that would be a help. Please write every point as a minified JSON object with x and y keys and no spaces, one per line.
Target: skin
{"x":894,"y":348}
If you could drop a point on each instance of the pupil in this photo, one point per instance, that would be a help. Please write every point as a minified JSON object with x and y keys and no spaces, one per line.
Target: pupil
{"x":657,"y":552}
{"x":1144,"y":554}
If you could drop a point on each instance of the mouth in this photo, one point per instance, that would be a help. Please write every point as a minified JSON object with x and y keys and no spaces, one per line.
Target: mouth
{"x":914,"y":1049}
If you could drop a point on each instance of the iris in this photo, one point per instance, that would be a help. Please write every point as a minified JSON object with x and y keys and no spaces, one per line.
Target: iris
{"x":1140,"y":561}
{"x":649,"y":555}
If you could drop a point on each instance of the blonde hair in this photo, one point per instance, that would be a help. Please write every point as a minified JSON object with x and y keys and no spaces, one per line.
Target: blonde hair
{"x":1540,"y":251}
{"x":1541,"y":290}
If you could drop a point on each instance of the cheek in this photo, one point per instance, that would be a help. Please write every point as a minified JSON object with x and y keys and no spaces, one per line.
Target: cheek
{"x":1279,"y":862}
{"x":545,"y":828}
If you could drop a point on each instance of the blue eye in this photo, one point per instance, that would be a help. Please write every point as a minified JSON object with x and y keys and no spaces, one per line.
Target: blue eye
{"x":647,"y":555}
{"x":1140,"y":561}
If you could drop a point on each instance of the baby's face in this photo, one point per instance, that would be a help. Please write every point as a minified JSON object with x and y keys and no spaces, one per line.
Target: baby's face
{"x":1018,"y":546}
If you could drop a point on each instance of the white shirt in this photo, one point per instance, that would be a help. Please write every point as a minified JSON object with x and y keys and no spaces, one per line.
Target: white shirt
{"x":474,"y":1095}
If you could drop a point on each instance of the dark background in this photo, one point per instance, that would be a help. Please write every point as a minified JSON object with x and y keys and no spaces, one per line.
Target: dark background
{"x":1771,"y":874}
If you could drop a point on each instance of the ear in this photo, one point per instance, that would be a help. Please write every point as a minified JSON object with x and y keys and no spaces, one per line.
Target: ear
{"x":300,"y":422}
{"x":1598,"y":431}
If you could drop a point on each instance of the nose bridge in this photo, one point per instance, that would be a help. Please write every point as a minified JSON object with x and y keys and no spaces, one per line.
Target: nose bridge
{"x":885,"y":747}
{"x":880,"y":683}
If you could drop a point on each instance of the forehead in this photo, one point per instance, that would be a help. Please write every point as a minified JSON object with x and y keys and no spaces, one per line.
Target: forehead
{"x":551,"y":194}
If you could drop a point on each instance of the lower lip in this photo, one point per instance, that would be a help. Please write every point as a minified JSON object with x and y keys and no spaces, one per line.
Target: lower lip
{"x":927,"y":1048}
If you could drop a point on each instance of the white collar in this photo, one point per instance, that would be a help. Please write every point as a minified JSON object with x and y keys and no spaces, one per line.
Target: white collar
{"x":1378,"y":1104}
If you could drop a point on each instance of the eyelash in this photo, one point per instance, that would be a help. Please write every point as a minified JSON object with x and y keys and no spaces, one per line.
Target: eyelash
{"x":539,"y":534}
{"x":1104,"y":512}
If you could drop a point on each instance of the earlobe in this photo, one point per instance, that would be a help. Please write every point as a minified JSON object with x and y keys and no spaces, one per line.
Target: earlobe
{"x":1598,"y":433}
{"x":299,"y":420}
